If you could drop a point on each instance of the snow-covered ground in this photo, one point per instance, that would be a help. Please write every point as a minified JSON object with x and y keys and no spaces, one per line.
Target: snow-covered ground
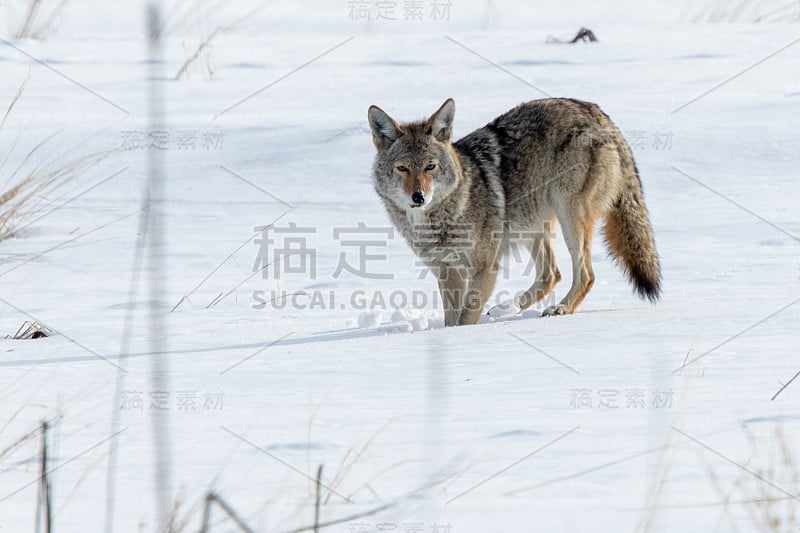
{"x":583,"y":422}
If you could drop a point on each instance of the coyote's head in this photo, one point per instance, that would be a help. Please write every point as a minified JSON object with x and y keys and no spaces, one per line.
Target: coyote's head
{"x":415,"y":166}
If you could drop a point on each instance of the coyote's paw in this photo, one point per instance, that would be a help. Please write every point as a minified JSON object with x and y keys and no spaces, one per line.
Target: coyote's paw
{"x":555,"y":310}
{"x":508,"y":308}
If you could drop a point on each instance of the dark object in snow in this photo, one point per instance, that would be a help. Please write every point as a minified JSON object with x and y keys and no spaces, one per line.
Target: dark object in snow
{"x":583,"y":35}
{"x":31,"y":330}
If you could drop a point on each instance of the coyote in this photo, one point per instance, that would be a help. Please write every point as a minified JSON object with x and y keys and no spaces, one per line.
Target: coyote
{"x":459,"y":205}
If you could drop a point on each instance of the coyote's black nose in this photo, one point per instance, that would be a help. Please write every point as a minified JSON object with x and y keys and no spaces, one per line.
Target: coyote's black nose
{"x":418,"y":198}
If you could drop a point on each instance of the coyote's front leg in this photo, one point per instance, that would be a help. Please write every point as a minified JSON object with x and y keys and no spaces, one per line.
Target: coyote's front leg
{"x":464,"y":294}
{"x":480,"y":286}
{"x":453,"y":289}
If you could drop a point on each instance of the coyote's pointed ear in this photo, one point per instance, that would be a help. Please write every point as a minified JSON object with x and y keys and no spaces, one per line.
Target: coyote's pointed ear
{"x":384,"y":129}
{"x":440,"y":125}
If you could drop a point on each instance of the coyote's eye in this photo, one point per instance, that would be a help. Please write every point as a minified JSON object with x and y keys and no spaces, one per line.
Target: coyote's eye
{"x":430,"y":166}
{"x":401,"y":168}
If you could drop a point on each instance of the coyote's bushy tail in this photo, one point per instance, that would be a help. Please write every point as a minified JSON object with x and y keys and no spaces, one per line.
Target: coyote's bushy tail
{"x":630,"y":237}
